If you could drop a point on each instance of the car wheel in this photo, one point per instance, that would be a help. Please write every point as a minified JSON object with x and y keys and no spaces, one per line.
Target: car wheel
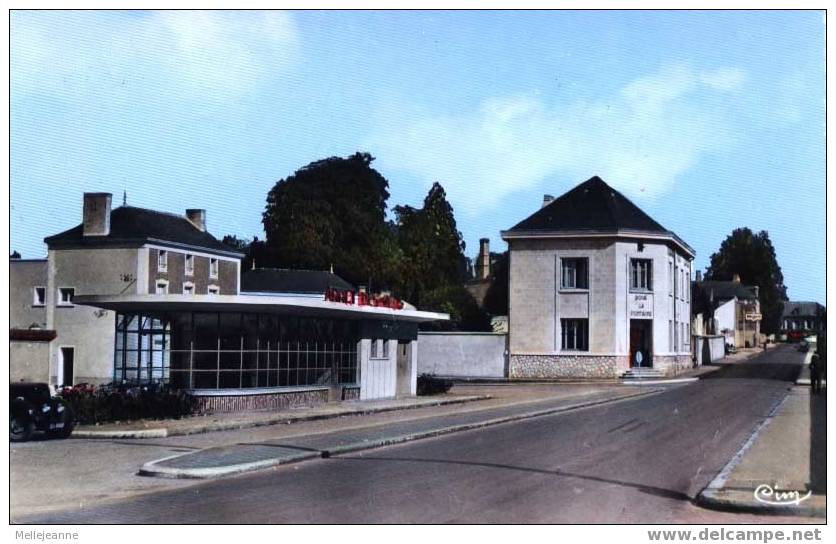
{"x":68,"y":419}
{"x":20,"y":430}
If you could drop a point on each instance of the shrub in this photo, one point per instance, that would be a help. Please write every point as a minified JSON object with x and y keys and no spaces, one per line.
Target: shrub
{"x":108,"y":403}
{"x":432,"y":385}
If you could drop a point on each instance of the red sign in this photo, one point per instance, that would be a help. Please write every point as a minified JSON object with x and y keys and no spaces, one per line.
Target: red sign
{"x":346,"y":296}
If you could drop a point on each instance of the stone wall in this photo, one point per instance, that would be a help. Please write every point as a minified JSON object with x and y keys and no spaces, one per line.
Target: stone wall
{"x":567,"y":366}
{"x":463,"y":354}
{"x":672,"y":365}
{"x":266,"y":401}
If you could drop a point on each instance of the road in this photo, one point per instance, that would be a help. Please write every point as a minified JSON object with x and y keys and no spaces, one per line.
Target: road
{"x":635,"y":461}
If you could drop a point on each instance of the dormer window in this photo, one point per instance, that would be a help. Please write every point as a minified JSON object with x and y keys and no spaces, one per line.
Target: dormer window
{"x":189,"y":265}
{"x":188,"y":288}
{"x":213,"y":268}
{"x":213,"y":290}
{"x":161,"y":287}
{"x":162,"y":261}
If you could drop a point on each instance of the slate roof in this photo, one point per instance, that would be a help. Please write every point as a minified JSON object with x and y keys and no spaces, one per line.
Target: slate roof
{"x":799,"y":308}
{"x":592,"y":206}
{"x":137,"y":226}
{"x":283,"y":280}
{"x":726,"y":290}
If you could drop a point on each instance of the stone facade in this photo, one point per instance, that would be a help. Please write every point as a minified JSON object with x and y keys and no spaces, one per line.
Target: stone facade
{"x":266,"y":401}
{"x":567,"y":366}
{"x":672,"y":365}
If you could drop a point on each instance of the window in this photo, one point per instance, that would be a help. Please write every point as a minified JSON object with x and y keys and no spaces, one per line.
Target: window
{"x":213,"y":290}
{"x":189,"y":265}
{"x":373,"y":352}
{"x":574,"y":334}
{"x":65,"y":296}
{"x":188,"y":288}
{"x":671,"y":277}
{"x":162,"y":261}
{"x":39,"y":296}
{"x":213,"y":268}
{"x":641,"y":271}
{"x":162,"y":287}
{"x":671,"y":335}
{"x":574,"y":273}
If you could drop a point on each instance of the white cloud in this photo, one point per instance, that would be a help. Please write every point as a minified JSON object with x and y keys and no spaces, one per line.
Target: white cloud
{"x":724,"y":79}
{"x":213,"y":55}
{"x":640,"y":140}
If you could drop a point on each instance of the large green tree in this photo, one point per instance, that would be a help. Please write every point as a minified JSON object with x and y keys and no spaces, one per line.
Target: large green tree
{"x":433,"y":265}
{"x":752,"y":256}
{"x":332,"y":212}
{"x":431,"y":246}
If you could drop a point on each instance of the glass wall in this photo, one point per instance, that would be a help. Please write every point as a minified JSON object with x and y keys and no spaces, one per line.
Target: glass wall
{"x":212,"y":350}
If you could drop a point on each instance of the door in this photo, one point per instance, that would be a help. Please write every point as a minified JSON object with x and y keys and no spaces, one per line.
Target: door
{"x":404,"y":383}
{"x":67,"y":356}
{"x":640,"y":342}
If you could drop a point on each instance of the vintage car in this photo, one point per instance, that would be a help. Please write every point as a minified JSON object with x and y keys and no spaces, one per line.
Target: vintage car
{"x":33,"y":408}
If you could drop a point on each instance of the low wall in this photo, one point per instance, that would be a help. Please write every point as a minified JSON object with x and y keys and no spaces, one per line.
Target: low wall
{"x":709,"y":348}
{"x":241,"y":400}
{"x":672,"y":365}
{"x":463,"y":354}
{"x":568,"y":366}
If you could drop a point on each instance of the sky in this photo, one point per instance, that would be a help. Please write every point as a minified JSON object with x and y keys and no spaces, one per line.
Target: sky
{"x":708,"y":121}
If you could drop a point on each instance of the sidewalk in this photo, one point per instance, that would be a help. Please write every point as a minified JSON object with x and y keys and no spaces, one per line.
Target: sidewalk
{"x":236,"y":458}
{"x":782,"y":463}
{"x":244,"y":420}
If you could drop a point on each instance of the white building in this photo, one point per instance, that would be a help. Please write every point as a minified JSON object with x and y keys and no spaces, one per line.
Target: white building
{"x":596,"y":287}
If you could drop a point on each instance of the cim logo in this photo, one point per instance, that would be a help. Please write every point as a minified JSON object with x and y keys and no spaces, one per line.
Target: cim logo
{"x":766,"y":494}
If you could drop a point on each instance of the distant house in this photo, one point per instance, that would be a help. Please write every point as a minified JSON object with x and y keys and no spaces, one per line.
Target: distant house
{"x":283,"y":281}
{"x":596,"y":287}
{"x":803,"y":316}
{"x":729,"y":308}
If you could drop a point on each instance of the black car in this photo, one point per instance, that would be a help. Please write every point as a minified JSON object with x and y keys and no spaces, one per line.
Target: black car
{"x":33,"y":408}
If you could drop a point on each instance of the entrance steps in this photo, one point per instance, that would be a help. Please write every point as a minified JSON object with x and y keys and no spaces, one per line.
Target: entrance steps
{"x":643,"y":373}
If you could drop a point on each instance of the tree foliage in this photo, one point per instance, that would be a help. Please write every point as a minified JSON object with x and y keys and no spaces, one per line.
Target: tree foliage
{"x":332,"y":213}
{"x":752,"y":256}
{"x":431,"y":245}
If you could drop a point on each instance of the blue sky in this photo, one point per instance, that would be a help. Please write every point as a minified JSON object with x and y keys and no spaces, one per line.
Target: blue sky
{"x":706,"y":120}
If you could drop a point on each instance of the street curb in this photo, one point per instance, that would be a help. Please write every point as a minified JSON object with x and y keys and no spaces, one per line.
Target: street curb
{"x":151,"y":468}
{"x":660,"y":382}
{"x":715,"y":497}
{"x":164,"y":432}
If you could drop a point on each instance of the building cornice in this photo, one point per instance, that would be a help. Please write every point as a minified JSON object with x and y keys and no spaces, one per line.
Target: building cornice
{"x":620,"y":233}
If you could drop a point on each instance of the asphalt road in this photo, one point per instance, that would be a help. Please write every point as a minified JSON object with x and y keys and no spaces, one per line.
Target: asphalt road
{"x":636,"y":461}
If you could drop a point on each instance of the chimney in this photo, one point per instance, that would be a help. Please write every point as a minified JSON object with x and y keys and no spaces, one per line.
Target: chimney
{"x":736,"y":278}
{"x":197,"y":218}
{"x":757,"y":292}
{"x":96,"y":214}
{"x":483,"y":267}
{"x":547,"y":199}
{"x":699,"y":276}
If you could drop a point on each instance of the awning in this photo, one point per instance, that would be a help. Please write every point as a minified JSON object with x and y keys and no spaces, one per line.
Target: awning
{"x":285,"y":305}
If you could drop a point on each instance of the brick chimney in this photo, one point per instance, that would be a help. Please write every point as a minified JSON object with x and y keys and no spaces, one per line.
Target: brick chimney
{"x":483,"y":265}
{"x":547,"y":199}
{"x":736,"y":278}
{"x":197,"y":218}
{"x":96,"y":214}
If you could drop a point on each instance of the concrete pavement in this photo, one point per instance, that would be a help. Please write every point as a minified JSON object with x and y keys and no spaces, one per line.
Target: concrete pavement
{"x":782,"y":468}
{"x":48,"y":475}
{"x":637,"y":461}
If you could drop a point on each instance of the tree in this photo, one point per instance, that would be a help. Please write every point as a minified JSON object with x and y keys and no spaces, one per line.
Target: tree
{"x":332,"y":213}
{"x":753,"y":258}
{"x":431,"y":246}
{"x":465,"y":314}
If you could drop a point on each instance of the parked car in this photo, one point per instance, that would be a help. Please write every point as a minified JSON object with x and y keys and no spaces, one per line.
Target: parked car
{"x":33,"y":408}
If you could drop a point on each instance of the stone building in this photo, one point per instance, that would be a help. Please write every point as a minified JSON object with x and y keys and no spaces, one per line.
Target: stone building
{"x":729,"y":308}
{"x":803,"y":316}
{"x":135,"y":296}
{"x":596,"y":287}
